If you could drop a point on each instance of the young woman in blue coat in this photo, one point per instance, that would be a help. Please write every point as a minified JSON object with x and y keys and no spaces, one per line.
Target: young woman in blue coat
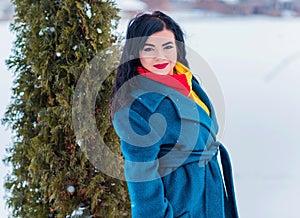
{"x":167,"y":127}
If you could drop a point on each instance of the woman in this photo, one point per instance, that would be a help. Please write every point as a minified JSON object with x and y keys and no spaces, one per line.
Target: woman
{"x":167,"y":128}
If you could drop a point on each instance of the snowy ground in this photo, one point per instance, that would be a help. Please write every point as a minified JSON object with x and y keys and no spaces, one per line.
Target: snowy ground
{"x":257,"y":62}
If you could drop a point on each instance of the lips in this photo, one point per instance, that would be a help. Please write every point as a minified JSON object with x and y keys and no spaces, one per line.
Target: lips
{"x":161,"y":66}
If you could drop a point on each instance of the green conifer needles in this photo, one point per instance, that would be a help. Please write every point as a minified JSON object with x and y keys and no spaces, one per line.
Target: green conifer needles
{"x":51,"y":176}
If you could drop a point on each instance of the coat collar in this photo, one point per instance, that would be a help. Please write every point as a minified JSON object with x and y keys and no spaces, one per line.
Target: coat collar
{"x":186,"y":107}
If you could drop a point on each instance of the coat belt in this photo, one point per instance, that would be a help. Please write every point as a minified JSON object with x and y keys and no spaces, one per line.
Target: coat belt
{"x":180,"y":158}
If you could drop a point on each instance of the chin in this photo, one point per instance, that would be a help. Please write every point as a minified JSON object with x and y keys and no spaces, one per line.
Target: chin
{"x":163,"y":72}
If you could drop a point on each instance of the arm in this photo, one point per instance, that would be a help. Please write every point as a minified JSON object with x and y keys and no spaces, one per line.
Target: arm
{"x":145,"y":186}
{"x":141,"y":166}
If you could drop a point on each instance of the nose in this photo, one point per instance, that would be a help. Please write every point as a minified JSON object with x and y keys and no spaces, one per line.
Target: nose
{"x":160,"y":54}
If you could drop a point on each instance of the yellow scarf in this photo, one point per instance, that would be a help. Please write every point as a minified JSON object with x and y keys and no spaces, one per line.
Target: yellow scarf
{"x":181,"y":69}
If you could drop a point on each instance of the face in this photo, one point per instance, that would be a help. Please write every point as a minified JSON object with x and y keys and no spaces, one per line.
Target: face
{"x":159,"y":54}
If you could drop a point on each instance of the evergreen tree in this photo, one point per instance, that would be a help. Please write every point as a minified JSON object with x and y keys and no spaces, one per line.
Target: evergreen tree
{"x":51,"y":176}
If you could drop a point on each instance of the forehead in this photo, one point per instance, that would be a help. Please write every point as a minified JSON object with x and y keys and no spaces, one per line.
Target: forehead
{"x":161,"y":37}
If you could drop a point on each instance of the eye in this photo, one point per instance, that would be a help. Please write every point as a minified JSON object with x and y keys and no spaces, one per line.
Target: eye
{"x":148,"y":49}
{"x":169,"y":47}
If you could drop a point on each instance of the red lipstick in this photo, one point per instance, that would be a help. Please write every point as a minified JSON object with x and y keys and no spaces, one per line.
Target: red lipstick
{"x":161,"y":66}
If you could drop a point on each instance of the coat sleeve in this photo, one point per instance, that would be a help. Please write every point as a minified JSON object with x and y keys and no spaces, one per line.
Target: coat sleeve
{"x":140,"y":144}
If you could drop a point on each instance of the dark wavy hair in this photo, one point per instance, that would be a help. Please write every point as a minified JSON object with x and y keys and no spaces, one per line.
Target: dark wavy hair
{"x":138,"y":31}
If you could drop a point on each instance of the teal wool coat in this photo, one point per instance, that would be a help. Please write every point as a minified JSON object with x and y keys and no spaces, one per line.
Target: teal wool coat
{"x":170,"y":151}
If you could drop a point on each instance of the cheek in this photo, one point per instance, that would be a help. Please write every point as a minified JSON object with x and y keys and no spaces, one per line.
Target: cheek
{"x":173,"y":56}
{"x":143,"y":58}
{"x":146,"y":62}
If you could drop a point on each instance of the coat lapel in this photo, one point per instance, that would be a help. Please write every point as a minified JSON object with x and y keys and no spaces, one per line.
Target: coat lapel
{"x":151,"y":93}
{"x":203,"y":96}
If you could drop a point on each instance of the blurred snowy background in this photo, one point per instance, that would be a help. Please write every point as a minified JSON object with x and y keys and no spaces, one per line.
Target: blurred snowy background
{"x":256,"y":60}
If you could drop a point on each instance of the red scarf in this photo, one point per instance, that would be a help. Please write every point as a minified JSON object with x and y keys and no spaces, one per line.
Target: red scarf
{"x":175,"y":81}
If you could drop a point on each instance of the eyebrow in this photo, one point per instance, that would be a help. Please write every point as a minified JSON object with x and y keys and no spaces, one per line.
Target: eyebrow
{"x":167,"y":43}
